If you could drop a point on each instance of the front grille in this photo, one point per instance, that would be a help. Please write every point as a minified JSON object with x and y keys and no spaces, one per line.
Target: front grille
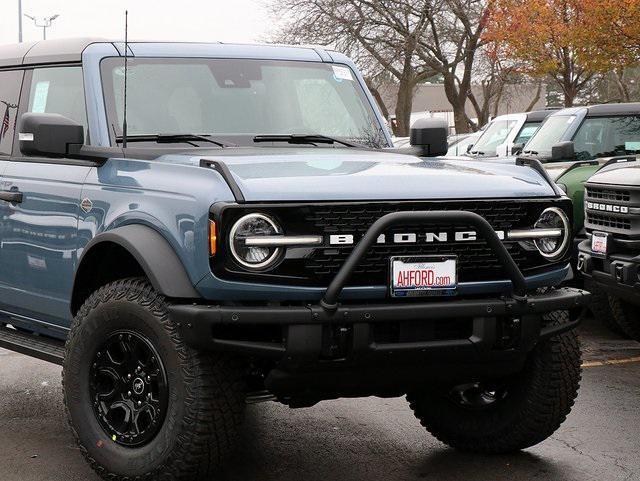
{"x":601,"y":204}
{"x":318,"y":266}
{"x":615,"y":195}
{"x":609,"y":221}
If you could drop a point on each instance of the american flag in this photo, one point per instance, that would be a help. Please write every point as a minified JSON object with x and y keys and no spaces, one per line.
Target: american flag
{"x":5,"y":124}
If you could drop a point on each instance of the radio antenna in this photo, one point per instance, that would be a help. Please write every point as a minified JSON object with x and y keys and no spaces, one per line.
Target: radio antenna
{"x":126,"y":48}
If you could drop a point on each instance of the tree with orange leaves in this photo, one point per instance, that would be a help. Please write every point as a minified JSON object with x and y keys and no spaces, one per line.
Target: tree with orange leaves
{"x":614,"y":25}
{"x":561,"y":39}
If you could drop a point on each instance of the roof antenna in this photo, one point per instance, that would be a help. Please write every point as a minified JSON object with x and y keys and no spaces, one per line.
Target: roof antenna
{"x":126,"y":47}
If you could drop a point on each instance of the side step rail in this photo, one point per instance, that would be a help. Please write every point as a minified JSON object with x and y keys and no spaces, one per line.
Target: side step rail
{"x":47,"y":349}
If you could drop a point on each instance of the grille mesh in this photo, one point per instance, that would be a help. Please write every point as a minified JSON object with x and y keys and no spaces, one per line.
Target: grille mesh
{"x":608,"y":194}
{"x":476,"y":260}
{"x":604,"y":220}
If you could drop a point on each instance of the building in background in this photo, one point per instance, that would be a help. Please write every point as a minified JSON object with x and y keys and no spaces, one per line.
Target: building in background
{"x":430,"y":101}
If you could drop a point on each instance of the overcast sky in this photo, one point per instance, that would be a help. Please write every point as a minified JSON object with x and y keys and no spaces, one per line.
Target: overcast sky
{"x":185,"y":20}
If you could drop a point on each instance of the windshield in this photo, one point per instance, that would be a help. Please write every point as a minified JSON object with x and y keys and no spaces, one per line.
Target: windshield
{"x":550,"y":133}
{"x":495,"y":135}
{"x":607,"y":137}
{"x":459,"y":147}
{"x":239,"y":99}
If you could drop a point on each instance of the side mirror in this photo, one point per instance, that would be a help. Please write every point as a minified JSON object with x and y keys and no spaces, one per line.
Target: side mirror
{"x":430,"y":136}
{"x":469,"y":147}
{"x":50,"y":135}
{"x":563,"y":151}
{"x":516,"y":149}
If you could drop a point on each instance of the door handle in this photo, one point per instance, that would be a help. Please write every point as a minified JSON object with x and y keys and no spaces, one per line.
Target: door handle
{"x":12,"y":196}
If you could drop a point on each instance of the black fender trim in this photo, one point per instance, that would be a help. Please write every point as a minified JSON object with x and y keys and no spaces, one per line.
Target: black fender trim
{"x":155,"y":255}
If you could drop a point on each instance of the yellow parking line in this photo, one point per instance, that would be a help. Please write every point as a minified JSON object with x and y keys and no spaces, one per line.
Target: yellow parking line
{"x":609,"y":362}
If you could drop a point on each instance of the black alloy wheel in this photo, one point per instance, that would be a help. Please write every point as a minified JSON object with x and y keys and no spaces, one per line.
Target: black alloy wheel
{"x":129,"y":389}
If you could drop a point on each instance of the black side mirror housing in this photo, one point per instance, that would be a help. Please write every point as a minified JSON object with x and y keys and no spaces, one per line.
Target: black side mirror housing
{"x":469,"y":147}
{"x":563,"y":151}
{"x":430,"y":137}
{"x":516,"y":149}
{"x":49,"y":135}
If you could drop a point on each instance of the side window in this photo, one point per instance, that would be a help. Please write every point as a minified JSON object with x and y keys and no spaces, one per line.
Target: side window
{"x":527,"y":132}
{"x":59,"y":90}
{"x":10,"y":84}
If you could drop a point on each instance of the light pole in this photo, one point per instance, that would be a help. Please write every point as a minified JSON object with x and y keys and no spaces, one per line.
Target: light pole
{"x":20,"y":21}
{"x":46,"y":22}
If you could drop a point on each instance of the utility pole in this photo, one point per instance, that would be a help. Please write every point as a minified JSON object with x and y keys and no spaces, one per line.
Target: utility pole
{"x":20,"y":21}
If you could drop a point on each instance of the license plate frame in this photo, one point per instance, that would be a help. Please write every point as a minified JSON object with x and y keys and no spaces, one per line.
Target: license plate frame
{"x":600,"y":243}
{"x":429,"y":291}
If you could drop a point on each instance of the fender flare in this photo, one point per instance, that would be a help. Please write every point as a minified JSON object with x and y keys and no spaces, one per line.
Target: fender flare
{"x":154,"y":254}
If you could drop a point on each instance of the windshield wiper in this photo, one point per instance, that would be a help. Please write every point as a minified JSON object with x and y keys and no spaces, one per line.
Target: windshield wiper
{"x":531,"y":152}
{"x":303,"y":139}
{"x":476,"y":152}
{"x":174,"y":139}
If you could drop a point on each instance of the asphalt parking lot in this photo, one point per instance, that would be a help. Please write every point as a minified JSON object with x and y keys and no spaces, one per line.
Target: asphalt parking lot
{"x":360,"y":439}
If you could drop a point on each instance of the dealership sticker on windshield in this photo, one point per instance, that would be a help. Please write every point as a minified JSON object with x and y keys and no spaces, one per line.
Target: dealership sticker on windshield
{"x":342,"y":73}
{"x":423,"y":276}
{"x":599,"y":242}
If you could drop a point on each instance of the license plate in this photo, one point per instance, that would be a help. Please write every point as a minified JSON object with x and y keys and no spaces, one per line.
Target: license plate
{"x":423,"y":276}
{"x":599,"y":241}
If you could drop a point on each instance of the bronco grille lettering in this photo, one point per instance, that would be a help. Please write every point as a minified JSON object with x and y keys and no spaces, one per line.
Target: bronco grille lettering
{"x":621,"y":209}
{"x":413,"y":237}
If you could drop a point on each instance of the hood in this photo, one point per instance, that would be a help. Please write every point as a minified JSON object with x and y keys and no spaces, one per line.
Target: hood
{"x":622,"y":173}
{"x":336,"y":174}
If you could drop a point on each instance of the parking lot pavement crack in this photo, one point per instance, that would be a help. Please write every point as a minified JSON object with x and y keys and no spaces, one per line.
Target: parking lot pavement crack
{"x":618,"y":463}
{"x":574,"y":448}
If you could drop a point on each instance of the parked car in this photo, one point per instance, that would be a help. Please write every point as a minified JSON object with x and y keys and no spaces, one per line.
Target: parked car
{"x":247,"y":237}
{"x":507,"y":134}
{"x":460,"y":144}
{"x":609,"y":255}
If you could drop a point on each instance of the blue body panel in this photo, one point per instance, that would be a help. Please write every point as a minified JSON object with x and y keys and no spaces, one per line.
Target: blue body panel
{"x":173,"y":194}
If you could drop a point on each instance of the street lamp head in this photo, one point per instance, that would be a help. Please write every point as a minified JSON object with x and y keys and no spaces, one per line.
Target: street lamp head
{"x":54,"y":17}
{"x":31,"y":17}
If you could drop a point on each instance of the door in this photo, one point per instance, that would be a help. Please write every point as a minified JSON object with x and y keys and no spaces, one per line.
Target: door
{"x":38,"y":253}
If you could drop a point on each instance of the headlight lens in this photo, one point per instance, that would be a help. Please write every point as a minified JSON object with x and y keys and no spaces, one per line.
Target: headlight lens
{"x":553,"y":247}
{"x":253,"y":257}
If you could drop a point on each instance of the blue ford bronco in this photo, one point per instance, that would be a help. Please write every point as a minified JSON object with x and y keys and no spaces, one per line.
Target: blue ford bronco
{"x":252,"y":235}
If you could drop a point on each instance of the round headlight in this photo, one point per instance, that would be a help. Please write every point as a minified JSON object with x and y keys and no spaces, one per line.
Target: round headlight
{"x":253,"y":257}
{"x":555,"y":246}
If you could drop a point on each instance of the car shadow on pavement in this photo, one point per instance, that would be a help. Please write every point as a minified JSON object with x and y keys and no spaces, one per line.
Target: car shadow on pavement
{"x":330,"y":447}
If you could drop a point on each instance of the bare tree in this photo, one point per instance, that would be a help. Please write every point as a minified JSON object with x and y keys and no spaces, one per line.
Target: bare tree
{"x":378,"y":35}
{"x":410,"y":40}
{"x":455,"y":35}
{"x":491,"y":76}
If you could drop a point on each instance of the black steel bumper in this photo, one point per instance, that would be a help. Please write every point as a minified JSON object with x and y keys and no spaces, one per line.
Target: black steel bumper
{"x":307,"y":330}
{"x":496,"y":327}
{"x":617,"y":273}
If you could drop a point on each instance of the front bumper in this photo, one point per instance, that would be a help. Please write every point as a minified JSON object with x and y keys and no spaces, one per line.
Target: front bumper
{"x":462,"y":333}
{"x":617,"y":273}
{"x":313,"y":333}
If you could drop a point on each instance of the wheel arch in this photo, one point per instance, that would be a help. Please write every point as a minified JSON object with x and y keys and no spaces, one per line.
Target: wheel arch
{"x":131,"y":250}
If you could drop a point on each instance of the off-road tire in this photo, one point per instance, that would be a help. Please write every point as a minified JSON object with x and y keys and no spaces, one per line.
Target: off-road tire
{"x":627,"y":316}
{"x":206,"y":394}
{"x":538,"y":402}
{"x":601,"y":309}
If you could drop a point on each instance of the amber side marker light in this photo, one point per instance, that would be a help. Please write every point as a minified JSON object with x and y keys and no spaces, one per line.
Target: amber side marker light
{"x":213,"y":238}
